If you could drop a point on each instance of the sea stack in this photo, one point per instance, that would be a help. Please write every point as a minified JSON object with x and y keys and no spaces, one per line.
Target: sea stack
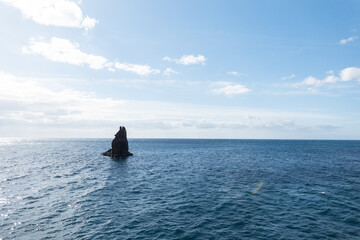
{"x":119,"y":146}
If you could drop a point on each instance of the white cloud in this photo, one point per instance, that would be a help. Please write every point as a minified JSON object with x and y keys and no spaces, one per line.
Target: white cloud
{"x":351,"y":73}
{"x":347,"y":40}
{"x":142,"y":70}
{"x":330,"y":72}
{"x":234,"y":73}
{"x":166,"y":58}
{"x":347,"y":74}
{"x":169,"y":71}
{"x":288,"y":77}
{"x":62,"y":50}
{"x":314,"y":82}
{"x":62,"y":13}
{"x":230,"y":89}
{"x":187,"y":59}
{"x":88,"y":23}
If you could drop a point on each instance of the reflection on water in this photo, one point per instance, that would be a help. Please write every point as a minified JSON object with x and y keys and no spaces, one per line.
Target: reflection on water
{"x":258,"y":187}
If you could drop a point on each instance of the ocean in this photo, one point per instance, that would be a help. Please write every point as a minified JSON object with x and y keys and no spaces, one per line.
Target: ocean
{"x":180,"y":189}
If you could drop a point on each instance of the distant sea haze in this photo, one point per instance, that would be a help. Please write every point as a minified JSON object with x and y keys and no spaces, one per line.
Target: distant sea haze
{"x":180,"y":189}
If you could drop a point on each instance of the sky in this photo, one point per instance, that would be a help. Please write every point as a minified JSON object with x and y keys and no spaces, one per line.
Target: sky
{"x":243,"y":69}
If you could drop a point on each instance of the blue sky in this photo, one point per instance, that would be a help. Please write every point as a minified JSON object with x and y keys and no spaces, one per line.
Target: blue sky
{"x":180,"y":69}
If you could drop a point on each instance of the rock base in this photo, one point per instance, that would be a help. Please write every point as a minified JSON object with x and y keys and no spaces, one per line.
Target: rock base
{"x":108,"y":153}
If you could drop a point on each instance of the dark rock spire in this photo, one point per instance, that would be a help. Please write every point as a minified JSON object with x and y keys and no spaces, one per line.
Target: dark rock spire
{"x":120,"y":145}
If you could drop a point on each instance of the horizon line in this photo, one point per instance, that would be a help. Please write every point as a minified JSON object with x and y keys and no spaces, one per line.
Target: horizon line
{"x":161,"y":138}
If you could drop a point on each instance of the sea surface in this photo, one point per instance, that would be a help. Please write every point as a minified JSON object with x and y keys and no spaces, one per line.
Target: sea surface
{"x":180,"y":189}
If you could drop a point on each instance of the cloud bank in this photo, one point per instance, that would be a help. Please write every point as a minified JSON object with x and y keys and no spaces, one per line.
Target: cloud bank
{"x":33,"y":105}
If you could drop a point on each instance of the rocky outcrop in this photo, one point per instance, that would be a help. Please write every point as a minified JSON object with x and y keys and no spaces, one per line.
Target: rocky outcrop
{"x":119,"y":146}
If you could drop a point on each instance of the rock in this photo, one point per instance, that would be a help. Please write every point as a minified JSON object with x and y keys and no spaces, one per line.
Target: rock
{"x":107,"y":153}
{"x":119,"y":146}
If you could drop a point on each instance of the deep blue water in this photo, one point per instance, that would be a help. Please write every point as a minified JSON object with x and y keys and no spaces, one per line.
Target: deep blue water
{"x":180,"y":189}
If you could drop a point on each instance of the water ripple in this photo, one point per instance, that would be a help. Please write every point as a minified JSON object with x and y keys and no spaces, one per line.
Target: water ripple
{"x":180,"y":189}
